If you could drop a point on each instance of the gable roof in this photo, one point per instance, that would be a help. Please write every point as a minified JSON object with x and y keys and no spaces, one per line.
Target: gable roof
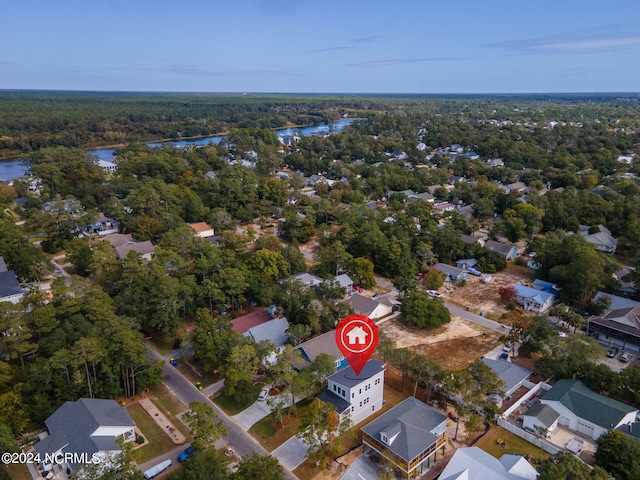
{"x":472,"y":463}
{"x":343,"y":280}
{"x":274,"y":330}
{"x":72,"y":425}
{"x":510,"y":373}
{"x":448,"y":269}
{"x":543,"y":412}
{"x":3,"y":266}
{"x":501,"y":248}
{"x":529,"y":293}
{"x":416,"y":421}
{"x":603,"y":237}
{"x":617,"y":302}
{"x":118,"y":239}
{"x":143,"y":248}
{"x":9,"y":285}
{"x":325,"y":343}
{"x":362,"y":304}
{"x":200,"y":227}
{"x":245,"y":322}
{"x":587,"y":404}
{"x":329,"y":397}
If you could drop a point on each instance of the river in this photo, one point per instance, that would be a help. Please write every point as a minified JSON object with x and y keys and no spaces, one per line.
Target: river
{"x":14,"y":168}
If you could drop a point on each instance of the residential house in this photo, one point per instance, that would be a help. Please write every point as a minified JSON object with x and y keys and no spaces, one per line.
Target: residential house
{"x":620,"y":326}
{"x":509,"y":252}
{"x":517,"y":187}
{"x":627,"y":287}
{"x":325,"y":343}
{"x":534,"y":300}
{"x":108,"y":167}
{"x":356,"y":397}
{"x":308,"y":279}
{"x":471,"y":155}
{"x":242,"y":324}
{"x":10,"y":290}
{"x":579,"y":409}
{"x":628,"y":159}
{"x":202,"y":229}
{"x":409,"y":436}
{"x":145,"y":249}
{"x":442,"y":207}
{"x":472,"y":463}
{"x":452,"y":274}
{"x":345,"y":282}
{"x":602,"y":239}
{"x":466,"y":263}
{"x":87,"y":427}
{"x":495,"y":162}
{"x":511,"y":375}
{"x":275,"y":331}
{"x":470,"y":240}
{"x":368,"y":307}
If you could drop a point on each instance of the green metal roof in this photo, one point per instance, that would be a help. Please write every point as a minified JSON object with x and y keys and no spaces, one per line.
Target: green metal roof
{"x":587,"y":404}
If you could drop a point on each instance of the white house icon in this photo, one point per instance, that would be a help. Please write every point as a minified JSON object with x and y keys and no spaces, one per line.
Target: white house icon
{"x":357,"y":336}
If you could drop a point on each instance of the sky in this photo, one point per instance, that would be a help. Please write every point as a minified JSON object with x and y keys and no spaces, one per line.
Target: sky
{"x":322,"y":46}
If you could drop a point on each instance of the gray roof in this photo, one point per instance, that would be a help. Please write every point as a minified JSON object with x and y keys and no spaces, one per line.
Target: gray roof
{"x":3,"y":266}
{"x":362,"y":304}
{"x":325,"y":343}
{"x":510,"y":373}
{"x":142,"y":248}
{"x":73,"y":423}
{"x":416,"y":421}
{"x":498,"y":247}
{"x":119,"y":239}
{"x":469,"y":262}
{"x":274,"y":330}
{"x":9,"y":284}
{"x":448,"y":269}
{"x":587,"y":404}
{"x":307,"y":278}
{"x":468,"y":239}
{"x":544,"y":413}
{"x":344,"y":280}
{"x":348,"y":378}
{"x":617,"y":302}
{"x":603,"y":237}
{"x":329,"y":397}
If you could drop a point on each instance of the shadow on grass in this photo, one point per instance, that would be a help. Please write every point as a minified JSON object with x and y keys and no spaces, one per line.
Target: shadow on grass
{"x":231,"y":406}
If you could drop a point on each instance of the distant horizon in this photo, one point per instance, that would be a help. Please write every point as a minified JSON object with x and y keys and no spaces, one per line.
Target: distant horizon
{"x":242,"y":93}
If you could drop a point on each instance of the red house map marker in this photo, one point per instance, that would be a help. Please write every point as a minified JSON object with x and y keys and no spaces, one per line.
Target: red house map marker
{"x":357,"y":337}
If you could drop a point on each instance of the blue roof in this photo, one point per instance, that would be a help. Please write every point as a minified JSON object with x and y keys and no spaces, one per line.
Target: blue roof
{"x":546,"y":287}
{"x":539,"y":296}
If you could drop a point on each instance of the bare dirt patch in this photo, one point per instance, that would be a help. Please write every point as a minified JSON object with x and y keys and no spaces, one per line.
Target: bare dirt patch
{"x":484,"y":297}
{"x":452,"y":346}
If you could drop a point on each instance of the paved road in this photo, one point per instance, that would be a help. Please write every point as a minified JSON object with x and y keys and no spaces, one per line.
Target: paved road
{"x":241,"y":441}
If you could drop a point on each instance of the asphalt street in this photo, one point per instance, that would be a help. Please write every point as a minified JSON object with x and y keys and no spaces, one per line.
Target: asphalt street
{"x":241,"y":441}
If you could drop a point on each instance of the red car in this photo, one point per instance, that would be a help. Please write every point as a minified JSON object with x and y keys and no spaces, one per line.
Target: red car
{"x":358,"y":288}
{"x":452,"y":416}
{"x":421,"y":276}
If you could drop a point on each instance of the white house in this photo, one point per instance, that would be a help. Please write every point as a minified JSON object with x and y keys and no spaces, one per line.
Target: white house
{"x":356,"y":396}
{"x":108,"y":167}
{"x":571,"y":404}
{"x":274,"y":330}
{"x":534,"y":300}
{"x":202,"y":229}
{"x":472,"y":463}
{"x":370,"y":308}
{"x":10,"y":290}
{"x":87,"y":427}
{"x":602,"y":239}
{"x":345,"y":282}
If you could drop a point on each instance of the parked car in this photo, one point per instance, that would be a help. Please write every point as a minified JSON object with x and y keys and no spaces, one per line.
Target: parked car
{"x":421,"y":276}
{"x":612,"y":352}
{"x":358,"y":288}
{"x":186,"y":454}
{"x":452,"y":416}
{"x":474,"y":271}
{"x":375,"y":296}
{"x":434,"y":294}
{"x":625,"y":357}
{"x":264,"y":393}
{"x":504,"y":356}
{"x":562,"y":335}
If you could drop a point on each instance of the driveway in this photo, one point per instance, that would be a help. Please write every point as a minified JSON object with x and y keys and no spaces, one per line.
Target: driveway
{"x":361,"y":469}
{"x":252,"y":414}
{"x":291,"y":453}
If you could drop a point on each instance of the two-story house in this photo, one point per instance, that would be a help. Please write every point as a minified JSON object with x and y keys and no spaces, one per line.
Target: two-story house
{"x":356,"y":396}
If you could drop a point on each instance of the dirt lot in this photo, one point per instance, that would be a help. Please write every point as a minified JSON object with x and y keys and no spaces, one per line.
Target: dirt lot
{"x":483,"y":297}
{"x":452,"y":346}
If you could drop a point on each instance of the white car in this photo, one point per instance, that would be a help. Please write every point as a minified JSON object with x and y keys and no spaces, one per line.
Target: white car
{"x":264,"y":393}
{"x":434,"y":294}
{"x":562,"y":335}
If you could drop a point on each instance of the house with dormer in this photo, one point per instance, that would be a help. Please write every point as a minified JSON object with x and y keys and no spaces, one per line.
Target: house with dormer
{"x":410,"y":435}
{"x":619,"y":325}
{"x":88,"y":427}
{"x":356,"y":397}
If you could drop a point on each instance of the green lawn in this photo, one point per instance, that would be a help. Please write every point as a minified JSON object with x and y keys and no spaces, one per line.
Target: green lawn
{"x":272,"y":435}
{"x":231,"y":406}
{"x":512,"y":444}
{"x":159,"y":442}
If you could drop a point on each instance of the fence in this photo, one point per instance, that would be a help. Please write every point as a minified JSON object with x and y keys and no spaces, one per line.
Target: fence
{"x":537,"y":441}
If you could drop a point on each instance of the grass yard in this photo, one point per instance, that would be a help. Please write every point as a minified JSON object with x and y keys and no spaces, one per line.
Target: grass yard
{"x":166,"y":401}
{"x":18,"y":471}
{"x":159,"y":442}
{"x":231,"y":406}
{"x":271,"y":434}
{"x":512,"y":444}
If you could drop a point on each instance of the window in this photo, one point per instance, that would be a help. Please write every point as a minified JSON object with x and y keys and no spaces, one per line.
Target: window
{"x":360,"y":392}
{"x":353,"y":394}
{"x":360,"y":402}
{"x":373,"y":407}
{"x":334,"y":387}
{"x":377,"y":382}
{"x":353,"y":408}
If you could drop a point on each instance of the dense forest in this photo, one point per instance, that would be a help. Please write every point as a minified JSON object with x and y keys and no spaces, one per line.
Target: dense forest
{"x":86,"y":339}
